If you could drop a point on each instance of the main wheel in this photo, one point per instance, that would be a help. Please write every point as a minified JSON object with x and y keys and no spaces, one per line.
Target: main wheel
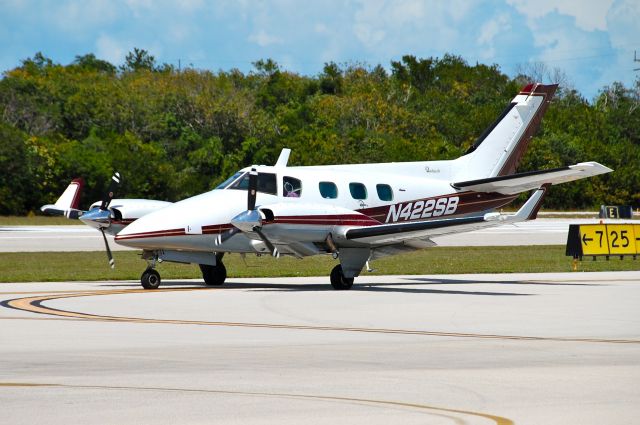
{"x":214,"y":275}
{"x":150,"y":279}
{"x":338,"y":281}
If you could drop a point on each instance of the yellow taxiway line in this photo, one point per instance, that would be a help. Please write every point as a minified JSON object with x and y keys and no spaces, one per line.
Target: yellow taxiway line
{"x":35,"y":305}
{"x":433,"y":410}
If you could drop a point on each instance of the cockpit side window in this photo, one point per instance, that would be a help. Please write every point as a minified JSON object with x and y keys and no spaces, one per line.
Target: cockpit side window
{"x":291,"y":187}
{"x":266,"y":183}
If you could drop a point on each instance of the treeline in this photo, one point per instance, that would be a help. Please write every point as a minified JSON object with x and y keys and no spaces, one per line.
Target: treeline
{"x":173,"y":133}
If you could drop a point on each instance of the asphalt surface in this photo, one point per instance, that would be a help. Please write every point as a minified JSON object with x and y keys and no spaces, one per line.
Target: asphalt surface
{"x":446,"y":349}
{"x":83,"y":238}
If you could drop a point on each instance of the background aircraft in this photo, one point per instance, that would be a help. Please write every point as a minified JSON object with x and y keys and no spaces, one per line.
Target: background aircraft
{"x":356,"y":212}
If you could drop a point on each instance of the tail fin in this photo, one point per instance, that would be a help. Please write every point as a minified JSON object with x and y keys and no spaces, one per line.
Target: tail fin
{"x":68,"y":203}
{"x":500,"y":148}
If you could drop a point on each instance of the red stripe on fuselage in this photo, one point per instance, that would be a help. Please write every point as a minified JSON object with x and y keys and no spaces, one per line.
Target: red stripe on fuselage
{"x":470,"y":202}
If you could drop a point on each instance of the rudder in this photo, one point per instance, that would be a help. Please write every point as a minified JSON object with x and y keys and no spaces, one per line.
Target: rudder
{"x":498,"y":151}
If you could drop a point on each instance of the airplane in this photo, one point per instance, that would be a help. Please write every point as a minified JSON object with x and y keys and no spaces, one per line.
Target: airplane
{"x":356,"y":212}
{"x":102,"y":215}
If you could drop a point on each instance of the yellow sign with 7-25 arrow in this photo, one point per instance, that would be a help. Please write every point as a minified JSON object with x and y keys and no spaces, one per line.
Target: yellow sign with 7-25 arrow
{"x":606,"y":239}
{"x":594,"y":239}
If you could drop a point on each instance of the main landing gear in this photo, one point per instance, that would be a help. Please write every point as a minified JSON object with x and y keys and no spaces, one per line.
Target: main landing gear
{"x":352,"y":260}
{"x":212,"y":275}
{"x":338,"y":281}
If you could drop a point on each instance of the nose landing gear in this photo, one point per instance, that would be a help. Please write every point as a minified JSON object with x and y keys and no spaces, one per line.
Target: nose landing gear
{"x":213,"y":275}
{"x":150,"y":279}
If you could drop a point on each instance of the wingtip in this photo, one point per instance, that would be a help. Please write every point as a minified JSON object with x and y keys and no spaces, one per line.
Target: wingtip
{"x":595,"y":168}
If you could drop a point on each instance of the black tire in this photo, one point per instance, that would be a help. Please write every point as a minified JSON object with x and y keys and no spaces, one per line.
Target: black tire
{"x":338,"y":281}
{"x":213,"y":275}
{"x":150,"y":279}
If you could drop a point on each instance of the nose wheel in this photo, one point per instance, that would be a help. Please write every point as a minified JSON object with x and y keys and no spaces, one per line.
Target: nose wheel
{"x":150,"y":279}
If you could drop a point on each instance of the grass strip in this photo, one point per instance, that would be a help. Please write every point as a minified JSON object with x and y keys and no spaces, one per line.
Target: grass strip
{"x":36,"y":220}
{"x":80,"y":266}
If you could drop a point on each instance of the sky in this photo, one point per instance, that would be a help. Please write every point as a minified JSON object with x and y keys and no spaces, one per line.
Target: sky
{"x":592,"y":41}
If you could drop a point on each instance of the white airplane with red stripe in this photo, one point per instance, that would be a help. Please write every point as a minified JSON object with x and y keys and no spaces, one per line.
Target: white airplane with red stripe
{"x":357,"y":213}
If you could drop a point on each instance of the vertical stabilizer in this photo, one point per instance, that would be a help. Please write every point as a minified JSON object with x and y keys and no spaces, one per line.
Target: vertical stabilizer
{"x":70,"y":198}
{"x":499,"y":149}
{"x":68,"y":203}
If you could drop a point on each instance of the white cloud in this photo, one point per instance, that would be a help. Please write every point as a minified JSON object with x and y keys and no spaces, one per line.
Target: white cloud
{"x":624,"y":24}
{"x":492,"y":28}
{"x":398,"y":27}
{"x":589,"y":14}
{"x":179,"y":32}
{"x":263,"y":39}
{"x":109,"y":49}
{"x":624,"y":34}
{"x":139,"y":6}
{"x":82,"y":16}
{"x":489,"y":31}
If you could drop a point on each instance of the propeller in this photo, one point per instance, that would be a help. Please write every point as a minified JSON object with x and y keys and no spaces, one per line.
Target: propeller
{"x":274,"y":251}
{"x":253,"y":190}
{"x":250,"y":220}
{"x":112,"y":263}
{"x":106,"y":200}
{"x":224,"y":236}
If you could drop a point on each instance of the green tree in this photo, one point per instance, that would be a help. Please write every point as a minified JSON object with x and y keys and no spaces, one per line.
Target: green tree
{"x":139,"y":59}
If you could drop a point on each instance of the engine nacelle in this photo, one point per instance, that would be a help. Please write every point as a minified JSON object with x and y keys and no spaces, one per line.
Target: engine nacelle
{"x":127,"y":210}
{"x":315,"y":213}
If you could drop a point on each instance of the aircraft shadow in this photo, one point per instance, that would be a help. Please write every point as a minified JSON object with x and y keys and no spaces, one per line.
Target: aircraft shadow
{"x":431,"y":281}
{"x":370,"y":287}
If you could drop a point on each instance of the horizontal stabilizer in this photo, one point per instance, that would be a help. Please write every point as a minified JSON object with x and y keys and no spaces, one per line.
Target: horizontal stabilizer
{"x":517,"y":183}
{"x":70,"y":213}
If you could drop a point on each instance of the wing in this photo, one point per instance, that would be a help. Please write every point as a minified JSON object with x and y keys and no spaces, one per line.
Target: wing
{"x":386,"y":234}
{"x":517,"y":183}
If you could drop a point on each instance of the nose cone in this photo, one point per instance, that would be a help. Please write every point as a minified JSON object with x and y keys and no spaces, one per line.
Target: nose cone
{"x":151,"y":230}
{"x":97,"y":218}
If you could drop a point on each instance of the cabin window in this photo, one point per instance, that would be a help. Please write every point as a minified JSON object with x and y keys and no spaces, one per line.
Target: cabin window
{"x":266,"y":183}
{"x":328,"y":190}
{"x":358,"y":191}
{"x":385,"y":193}
{"x":291,"y":187}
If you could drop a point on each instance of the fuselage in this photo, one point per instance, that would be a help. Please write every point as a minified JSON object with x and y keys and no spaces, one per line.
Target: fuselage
{"x":307,"y":204}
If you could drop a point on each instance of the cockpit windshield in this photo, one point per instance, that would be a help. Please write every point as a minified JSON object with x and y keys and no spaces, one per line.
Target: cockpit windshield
{"x":240,"y":181}
{"x":230,"y":180}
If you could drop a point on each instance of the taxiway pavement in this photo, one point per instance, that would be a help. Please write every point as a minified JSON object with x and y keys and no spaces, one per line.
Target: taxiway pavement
{"x":551,"y":231}
{"x":447,"y":349}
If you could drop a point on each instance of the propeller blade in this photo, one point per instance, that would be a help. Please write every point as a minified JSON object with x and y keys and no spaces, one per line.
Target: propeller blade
{"x":112,"y":263}
{"x":106,"y":200}
{"x":225,"y":236}
{"x":253,"y":189}
{"x":274,"y":251}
